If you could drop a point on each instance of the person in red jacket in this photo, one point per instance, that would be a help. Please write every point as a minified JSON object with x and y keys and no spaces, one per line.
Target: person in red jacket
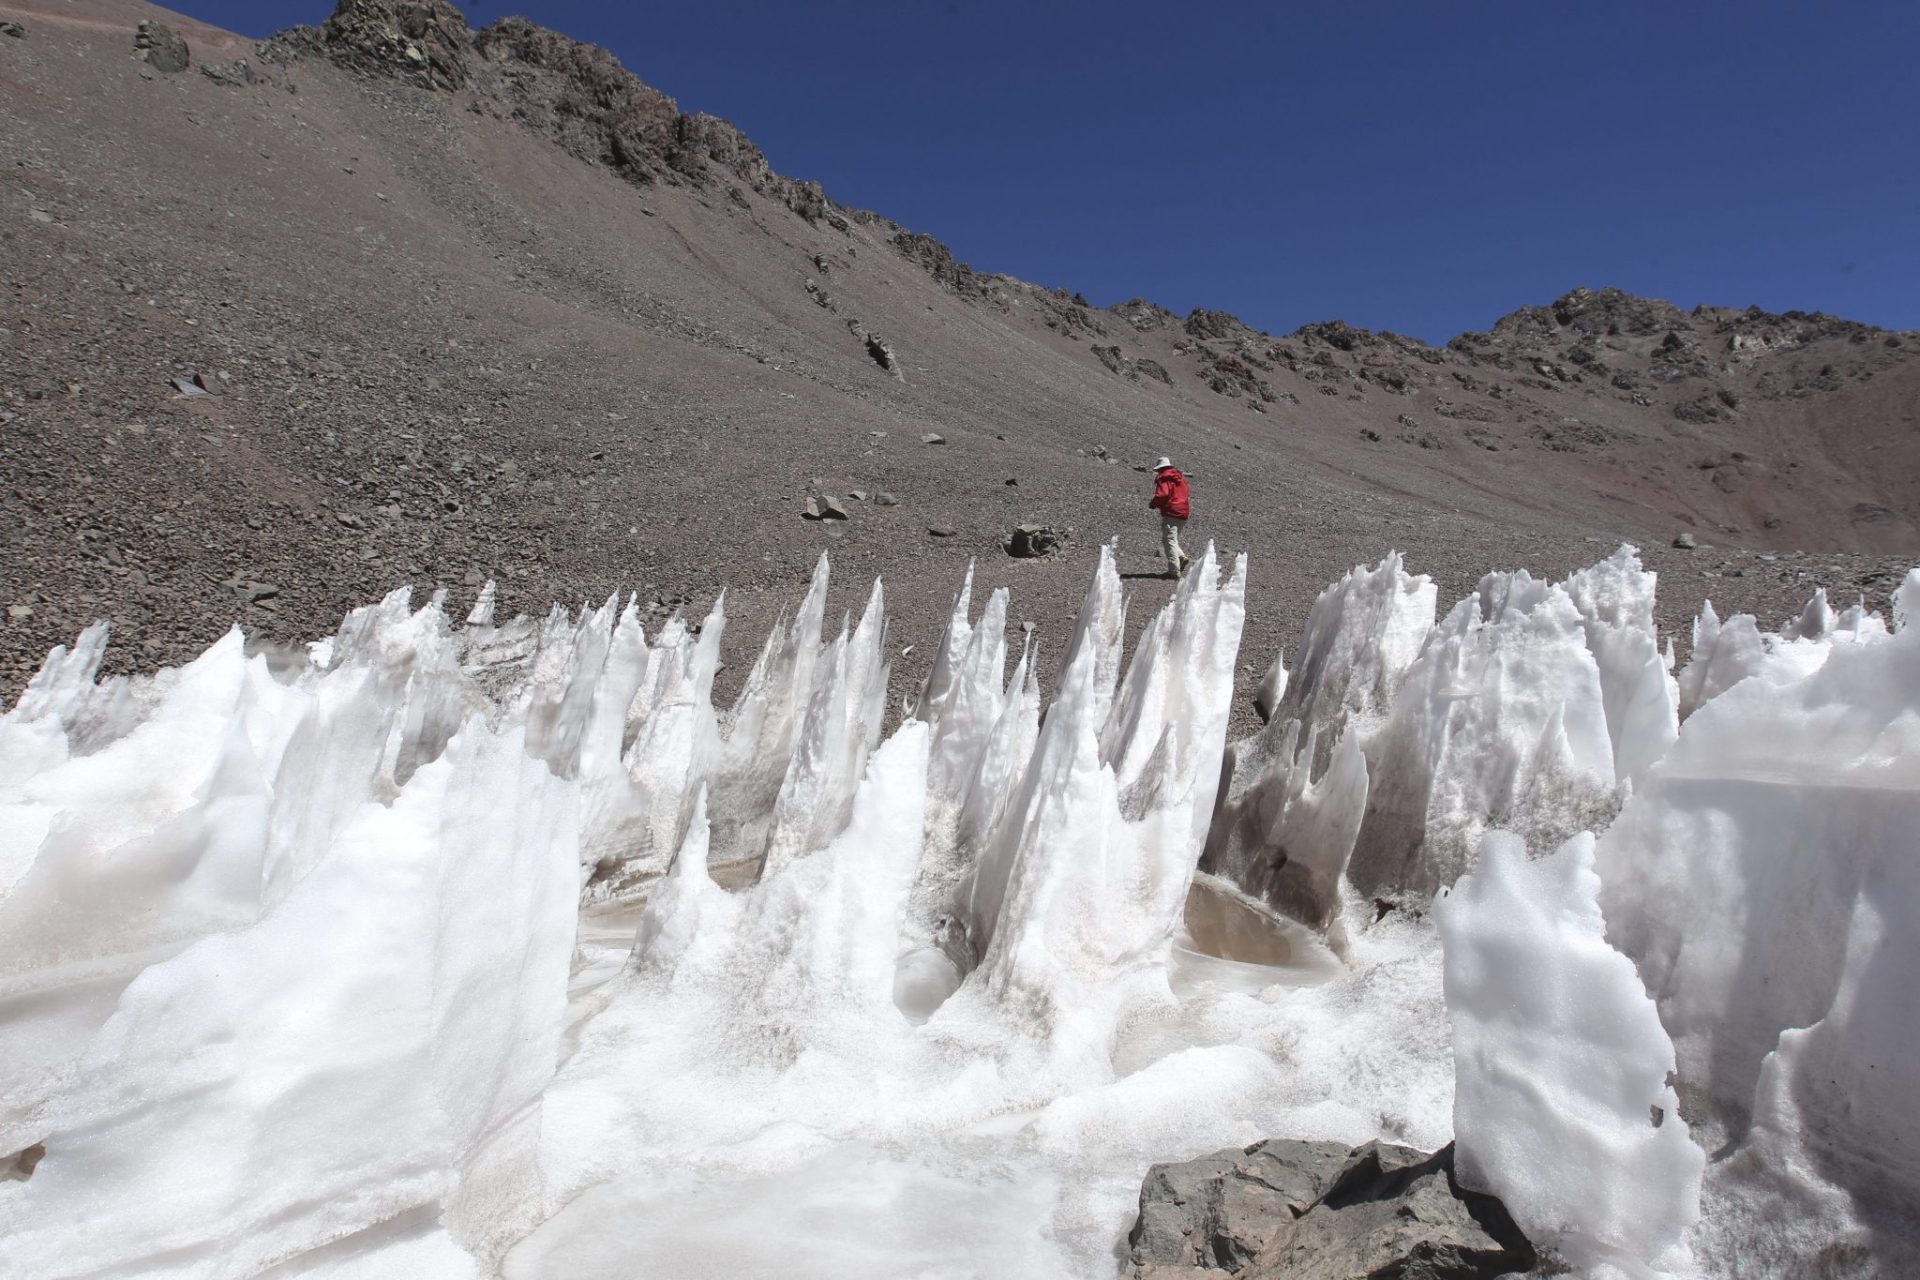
{"x":1170,"y":500}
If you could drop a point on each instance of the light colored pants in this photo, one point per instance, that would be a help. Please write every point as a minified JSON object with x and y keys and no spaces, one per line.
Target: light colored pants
{"x":1170,"y":543}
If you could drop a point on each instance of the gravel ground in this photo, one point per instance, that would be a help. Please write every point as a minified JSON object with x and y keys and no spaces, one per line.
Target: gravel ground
{"x":437,"y":346}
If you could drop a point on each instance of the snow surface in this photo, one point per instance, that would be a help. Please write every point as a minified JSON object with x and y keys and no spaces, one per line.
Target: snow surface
{"x":497,"y":950}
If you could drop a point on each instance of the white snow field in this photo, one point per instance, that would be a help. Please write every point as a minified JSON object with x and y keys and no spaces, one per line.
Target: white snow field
{"x":496,"y":950}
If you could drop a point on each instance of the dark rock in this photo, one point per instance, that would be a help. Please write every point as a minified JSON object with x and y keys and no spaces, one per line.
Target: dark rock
{"x":236,"y":73}
{"x":942,"y":530}
{"x":1113,"y":360}
{"x":164,"y":48}
{"x":1214,"y":324}
{"x":1030,"y":541}
{"x":19,"y":1166}
{"x":882,"y":354}
{"x":424,"y":40}
{"x":13,"y":29}
{"x":1319,"y":1211}
{"x":1220,"y":1210}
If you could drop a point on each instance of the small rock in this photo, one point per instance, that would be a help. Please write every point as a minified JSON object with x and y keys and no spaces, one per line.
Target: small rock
{"x":13,"y":29}
{"x":19,"y":612}
{"x":1685,"y":542}
{"x":942,"y":530}
{"x":1031,"y":541}
{"x":885,"y":499}
{"x":236,"y":73}
{"x":823,"y":508}
{"x":188,"y":387}
{"x":1012,"y":481}
{"x":858,"y":495}
{"x":933,"y":437}
{"x":40,"y":215}
{"x":254,"y":592}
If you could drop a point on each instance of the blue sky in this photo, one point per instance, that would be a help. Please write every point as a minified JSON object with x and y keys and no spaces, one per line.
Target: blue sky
{"x":1417,"y":167}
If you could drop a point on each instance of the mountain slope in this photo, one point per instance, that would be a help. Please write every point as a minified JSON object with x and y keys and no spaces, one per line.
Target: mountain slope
{"x":486,"y":305}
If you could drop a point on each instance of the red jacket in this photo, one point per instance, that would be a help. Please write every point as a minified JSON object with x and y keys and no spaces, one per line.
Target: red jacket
{"x":1170,"y":493}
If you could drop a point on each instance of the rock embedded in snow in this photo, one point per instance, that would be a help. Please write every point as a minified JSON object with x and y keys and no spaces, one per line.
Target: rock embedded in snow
{"x":1221,"y":1210}
{"x":1281,"y":1210}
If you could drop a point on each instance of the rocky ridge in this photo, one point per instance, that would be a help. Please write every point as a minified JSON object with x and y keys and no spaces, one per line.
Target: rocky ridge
{"x":1639,"y":351}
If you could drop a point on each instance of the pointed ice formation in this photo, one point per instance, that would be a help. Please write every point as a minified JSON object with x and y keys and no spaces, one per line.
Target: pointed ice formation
{"x":1562,"y":1101}
{"x":1281,"y":834}
{"x":1075,"y":899}
{"x":1755,"y":877}
{"x":375,"y":1043}
{"x":1362,"y":634}
{"x":287,"y":943}
{"x":1294,"y":795}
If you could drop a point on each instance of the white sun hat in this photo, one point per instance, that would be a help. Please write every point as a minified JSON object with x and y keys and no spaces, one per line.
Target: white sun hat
{"x":1163,"y":464}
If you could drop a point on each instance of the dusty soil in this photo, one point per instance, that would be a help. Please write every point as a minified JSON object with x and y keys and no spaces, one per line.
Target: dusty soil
{"x":476,"y":307}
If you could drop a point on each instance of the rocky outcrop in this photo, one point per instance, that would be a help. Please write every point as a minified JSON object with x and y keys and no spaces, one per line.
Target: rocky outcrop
{"x":1604,"y":343}
{"x":1128,"y":367}
{"x":163,"y":48}
{"x":578,"y":94}
{"x":1290,"y":1210}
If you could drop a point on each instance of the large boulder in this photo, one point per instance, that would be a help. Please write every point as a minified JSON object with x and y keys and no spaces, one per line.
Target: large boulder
{"x":164,"y":48}
{"x":1288,"y":1210}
